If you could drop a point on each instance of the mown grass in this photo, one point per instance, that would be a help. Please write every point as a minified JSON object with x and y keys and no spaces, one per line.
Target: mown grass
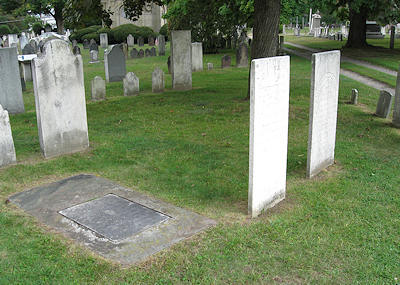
{"x":371,"y":73}
{"x":191,"y":149}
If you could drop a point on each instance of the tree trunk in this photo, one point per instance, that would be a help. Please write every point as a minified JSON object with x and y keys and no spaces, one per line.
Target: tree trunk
{"x":357,"y":34}
{"x":58,"y":15}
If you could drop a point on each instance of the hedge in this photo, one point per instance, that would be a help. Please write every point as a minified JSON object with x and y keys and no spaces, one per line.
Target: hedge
{"x":120,"y":33}
{"x":78,"y":35}
{"x":4,"y":30}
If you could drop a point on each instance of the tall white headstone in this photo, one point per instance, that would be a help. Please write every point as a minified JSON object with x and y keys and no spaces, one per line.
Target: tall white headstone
{"x":60,"y":100}
{"x":269,"y":122}
{"x":7,"y":150}
{"x":197,"y":56}
{"x":181,"y":60}
{"x":323,"y":111}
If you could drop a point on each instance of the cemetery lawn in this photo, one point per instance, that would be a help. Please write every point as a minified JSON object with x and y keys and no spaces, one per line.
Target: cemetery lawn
{"x":191,"y":149}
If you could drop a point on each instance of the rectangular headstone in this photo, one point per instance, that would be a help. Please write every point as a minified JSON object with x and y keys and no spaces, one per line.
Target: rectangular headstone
{"x":323,"y":111}
{"x":242,"y":56}
{"x":114,"y":63}
{"x":396,"y":111}
{"x":60,"y":100}
{"x":98,"y":89}
{"x":7,"y":150}
{"x":10,"y":82}
{"x":161,"y":45}
{"x":197,"y":56}
{"x":269,"y":122}
{"x":104,"y":40}
{"x":384,"y":104}
{"x":157,"y":80}
{"x":181,"y":60}
{"x":130,"y":40}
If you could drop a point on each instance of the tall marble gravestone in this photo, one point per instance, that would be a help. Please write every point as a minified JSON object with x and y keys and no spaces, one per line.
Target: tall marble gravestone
{"x":131,"y":84}
{"x":23,"y":40}
{"x":7,"y":150}
{"x":323,"y":111}
{"x":181,"y":60}
{"x":269,"y":123}
{"x":114,"y":63}
{"x":161,"y":45}
{"x":384,"y":104}
{"x":157,"y":80}
{"x":197,"y":56}
{"x":396,"y":111}
{"x":10,"y":82}
{"x":242,"y":56}
{"x":60,"y":100}
{"x":130,"y":40}
{"x":104,"y":40}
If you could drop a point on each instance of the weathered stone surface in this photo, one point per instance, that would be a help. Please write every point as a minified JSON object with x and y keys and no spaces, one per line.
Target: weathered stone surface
{"x":114,"y":63}
{"x":151,"y":41}
{"x":26,"y":70}
{"x":93,"y":45}
{"x":147,"y":53}
{"x":197,"y":56}
{"x":269,"y":123}
{"x":131,"y":84}
{"x":157,"y":79}
{"x":181,"y":60}
{"x":323,"y":111}
{"x":161,"y":45}
{"x":98,"y":89}
{"x":210,"y":66}
{"x":94,"y":56}
{"x":23,"y":40}
{"x":134,"y":53}
{"x":141,"y":53}
{"x":10,"y":82}
{"x":60,"y":100}
{"x":76,"y":50}
{"x":354,"y":96}
{"x":34,"y":44}
{"x":384,"y":104}
{"x":125,"y":50}
{"x":396,"y":111}
{"x":226,"y":61}
{"x":141,"y":41}
{"x":104,"y":40}
{"x":130,"y":40}
{"x":86,"y":44}
{"x":28,"y":49}
{"x":7,"y":150}
{"x":153,"y":51}
{"x":242,"y":56}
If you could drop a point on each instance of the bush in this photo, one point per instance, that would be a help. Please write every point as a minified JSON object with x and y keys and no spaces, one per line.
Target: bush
{"x":164,"y":30}
{"x":95,"y":36}
{"x":15,"y":30}
{"x":37,"y":28}
{"x":120,"y":33}
{"x":4,"y":30}
{"x":80,"y":33}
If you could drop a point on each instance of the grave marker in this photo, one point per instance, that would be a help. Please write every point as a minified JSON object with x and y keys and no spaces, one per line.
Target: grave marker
{"x":181,"y":60}
{"x":130,"y":40}
{"x":384,"y":104}
{"x":94,"y":56}
{"x":197,"y":56}
{"x":98,"y":89}
{"x":141,"y":53}
{"x":151,"y":41}
{"x":158,"y":82}
{"x":242,"y":56}
{"x":210,"y":66}
{"x":104,"y":40}
{"x":7,"y":150}
{"x":93,"y":45}
{"x":225,"y":61}
{"x":114,"y":63}
{"x":86,"y":44}
{"x":161,"y":45}
{"x":134,"y":53}
{"x":131,"y":84}
{"x":141,"y":41}
{"x":354,"y":96}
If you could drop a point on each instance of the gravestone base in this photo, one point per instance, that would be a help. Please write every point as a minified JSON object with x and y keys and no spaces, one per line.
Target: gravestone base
{"x":114,"y":222}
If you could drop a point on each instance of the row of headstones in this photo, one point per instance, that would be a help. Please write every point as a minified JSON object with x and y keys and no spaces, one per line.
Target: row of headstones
{"x":130,"y":41}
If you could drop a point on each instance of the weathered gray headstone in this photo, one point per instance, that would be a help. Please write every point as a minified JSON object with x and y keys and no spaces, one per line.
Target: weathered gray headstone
{"x":93,"y":45}
{"x":131,"y":84}
{"x":226,"y":61}
{"x":242,"y":56}
{"x":28,"y":49}
{"x":104,"y":40}
{"x":130,"y":40}
{"x":158,"y":82}
{"x":34,"y":44}
{"x":396,"y":111}
{"x":161,"y":45}
{"x":384,"y":104}
{"x":151,"y":41}
{"x":60,"y":100}
{"x":10,"y":82}
{"x":98,"y":89}
{"x":269,"y":122}
{"x":141,"y":53}
{"x":153,"y":51}
{"x":94,"y":56}
{"x":134,"y":53}
{"x":181,"y":60}
{"x":210,"y":66}
{"x":141,"y":41}
{"x":86,"y":44}
{"x":114,"y":63}
{"x":147,"y":53}
{"x":323,"y":111}
{"x":197,"y":56}
{"x":23,"y":40}
{"x":354,"y":96}
{"x":7,"y":150}
{"x":76,"y":50}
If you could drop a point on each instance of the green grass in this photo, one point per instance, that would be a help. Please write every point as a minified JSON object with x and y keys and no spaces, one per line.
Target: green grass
{"x":371,"y":73}
{"x":191,"y":149}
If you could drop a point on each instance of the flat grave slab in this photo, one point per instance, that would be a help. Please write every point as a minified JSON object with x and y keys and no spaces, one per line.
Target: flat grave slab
{"x":114,"y":222}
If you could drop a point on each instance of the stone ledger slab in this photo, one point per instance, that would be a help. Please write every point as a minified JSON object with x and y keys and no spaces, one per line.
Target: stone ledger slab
{"x":323,"y":111}
{"x":269,"y":122}
{"x":181,"y":60}
{"x":118,"y":235}
{"x":7,"y":150}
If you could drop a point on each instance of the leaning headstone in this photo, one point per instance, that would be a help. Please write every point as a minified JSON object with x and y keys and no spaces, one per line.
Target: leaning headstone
{"x":104,"y":40}
{"x":269,"y":122}
{"x":396,"y":111}
{"x":60,"y":100}
{"x":98,"y":89}
{"x":7,"y":150}
{"x":93,"y":45}
{"x":169,"y":64}
{"x":354,"y":96}
{"x":86,"y":44}
{"x":114,"y":63}
{"x":76,"y":50}
{"x":384,"y":104}
{"x":141,"y":53}
{"x":134,"y":53}
{"x":151,"y":41}
{"x":210,"y":66}
{"x":181,"y":60}
{"x":141,"y":41}
{"x":130,"y":40}
{"x":28,"y":49}
{"x":10,"y":82}
{"x":158,"y":82}
{"x":161,"y":45}
{"x":131,"y":84}
{"x":242,"y":56}
{"x":94,"y":56}
{"x":323,"y":111}
{"x":153,"y":51}
{"x":225,"y":61}
{"x":197,"y":56}
{"x":147,"y":53}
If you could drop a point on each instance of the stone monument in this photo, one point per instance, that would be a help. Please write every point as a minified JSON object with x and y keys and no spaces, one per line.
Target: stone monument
{"x":197,"y":57}
{"x":157,"y":79}
{"x":98,"y":89}
{"x":131,"y":84}
{"x":181,"y":60}
{"x":114,"y":63}
{"x":7,"y":150}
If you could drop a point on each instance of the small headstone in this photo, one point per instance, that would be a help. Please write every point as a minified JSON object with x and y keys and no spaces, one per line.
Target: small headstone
{"x":323,"y":111}
{"x":169,"y":64}
{"x":242,"y":56}
{"x":34,"y":44}
{"x":158,"y":82}
{"x":7,"y":150}
{"x":197,"y":56}
{"x":28,"y":49}
{"x":93,"y":45}
{"x":104,"y":40}
{"x":384,"y":104}
{"x":153,"y":51}
{"x":151,"y":41}
{"x":161,"y":45}
{"x":147,"y":53}
{"x":114,"y":63}
{"x":86,"y":44}
{"x":94,"y":56}
{"x":396,"y":111}
{"x":98,"y":89}
{"x":210,"y":66}
{"x":181,"y":60}
{"x":225,"y":61}
{"x":354,"y":96}
{"x":60,"y":100}
{"x":125,"y":50}
{"x":130,"y":40}
{"x":141,"y":41}
{"x":76,"y":50}
{"x":131,"y":84}
{"x":134,"y":53}
{"x":141,"y":53}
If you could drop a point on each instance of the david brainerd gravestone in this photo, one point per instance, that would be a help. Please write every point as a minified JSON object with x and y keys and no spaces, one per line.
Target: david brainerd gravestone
{"x":103,"y":40}
{"x":197,"y":56}
{"x":10,"y":81}
{"x":114,"y":63}
{"x":161,"y":45}
{"x":60,"y":100}
{"x":181,"y":60}
{"x":269,"y":123}
{"x":131,"y":84}
{"x":384,"y":104}
{"x":323,"y":111}
{"x":396,"y":111}
{"x":98,"y":89}
{"x":157,"y":80}
{"x":7,"y":150}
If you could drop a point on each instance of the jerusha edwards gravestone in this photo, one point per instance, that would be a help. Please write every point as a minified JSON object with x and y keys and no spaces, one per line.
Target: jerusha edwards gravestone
{"x":60,"y":100}
{"x":323,"y":111}
{"x":269,"y":123}
{"x":7,"y":150}
{"x":114,"y":63}
{"x":181,"y":60}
